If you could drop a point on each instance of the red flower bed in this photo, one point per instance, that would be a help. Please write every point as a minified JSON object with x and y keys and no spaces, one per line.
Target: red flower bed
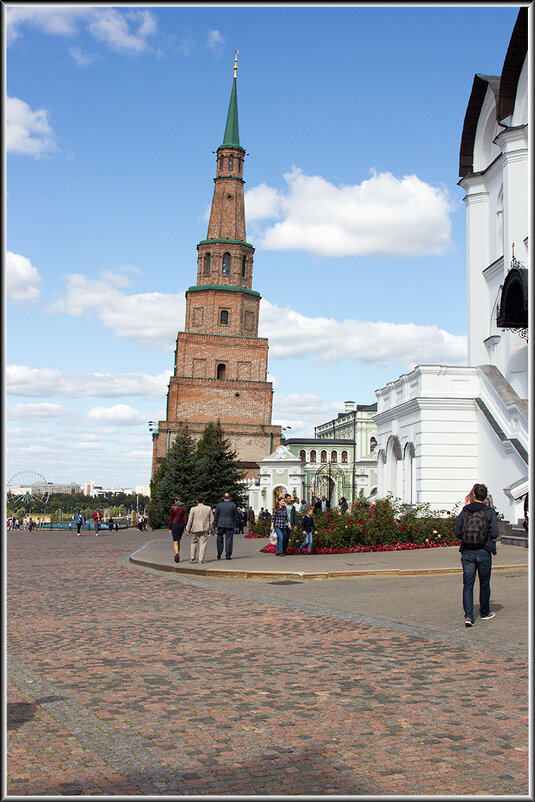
{"x":386,"y":525}
{"x":270,"y":549}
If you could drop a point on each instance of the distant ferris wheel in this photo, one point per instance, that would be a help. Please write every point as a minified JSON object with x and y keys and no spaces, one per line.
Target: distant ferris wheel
{"x":28,"y":487}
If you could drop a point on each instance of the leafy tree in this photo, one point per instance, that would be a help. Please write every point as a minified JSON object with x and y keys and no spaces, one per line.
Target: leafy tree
{"x":176,"y":476}
{"x":217,"y":467}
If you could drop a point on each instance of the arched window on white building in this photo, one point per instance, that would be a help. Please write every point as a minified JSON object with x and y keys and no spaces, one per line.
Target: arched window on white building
{"x":409,"y":495}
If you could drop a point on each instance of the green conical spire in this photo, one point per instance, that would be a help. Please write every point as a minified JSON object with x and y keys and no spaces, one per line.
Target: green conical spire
{"x":232,"y":134}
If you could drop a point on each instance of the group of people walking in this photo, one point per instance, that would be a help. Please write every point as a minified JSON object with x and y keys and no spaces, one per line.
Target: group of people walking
{"x":202,"y":521}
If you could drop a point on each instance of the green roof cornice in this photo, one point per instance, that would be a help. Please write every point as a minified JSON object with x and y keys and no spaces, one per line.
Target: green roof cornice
{"x":231,"y":241}
{"x":232,"y":134}
{"x":227,"y":287}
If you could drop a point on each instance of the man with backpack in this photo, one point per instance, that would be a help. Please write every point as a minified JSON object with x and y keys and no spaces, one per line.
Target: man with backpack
{"x":477,"y":529}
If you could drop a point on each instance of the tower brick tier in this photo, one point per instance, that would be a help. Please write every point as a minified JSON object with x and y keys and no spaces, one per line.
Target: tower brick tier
{"x":220,"y":366}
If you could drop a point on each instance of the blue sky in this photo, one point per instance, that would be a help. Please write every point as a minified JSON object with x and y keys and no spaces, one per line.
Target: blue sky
{"x":352,"y":118}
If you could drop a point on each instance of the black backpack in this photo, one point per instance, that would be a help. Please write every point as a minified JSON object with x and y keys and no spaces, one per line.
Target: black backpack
{"x":475,"y":529}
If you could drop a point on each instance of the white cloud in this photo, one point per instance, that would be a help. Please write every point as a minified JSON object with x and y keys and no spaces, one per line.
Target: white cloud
{"x":125,"y":31}
{"x":382,"y":216}
{"x":151,"y":318}
{"x":118,"y":415}
{"x":262,"y":203}
{"x":27,"y":131}
{"x":301,"y":412}
{"x":22,"y":279}
{"x":36,"y":412}
{"x":292,"y":334}
{"x":41,"y":382}
{"x":83,"y":59}
{"x":215,"y":42}
{"x":113,"y":28}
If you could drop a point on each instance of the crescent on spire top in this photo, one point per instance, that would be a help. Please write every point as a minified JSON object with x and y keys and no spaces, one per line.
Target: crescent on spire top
{"x":236,"y":63}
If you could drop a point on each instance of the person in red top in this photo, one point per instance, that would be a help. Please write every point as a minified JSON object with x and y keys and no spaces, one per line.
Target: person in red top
{"x":178,"y":517}
{"x":97,"y":518}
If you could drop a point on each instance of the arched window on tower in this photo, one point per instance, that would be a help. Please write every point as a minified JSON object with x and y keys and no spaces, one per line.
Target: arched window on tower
{"x":312,"y":456}
{"x":334,"y":456}
{"x":223,"y":317}
{"x":373,"y":444}
{"x":302,"y":455}
{"x":230,"y":162}
{"x":226,"y":264}
{"x":243,"y":266}
{"x":323,"y":456}
{"x":207,"y":260}
{"x":344,"y":457}
{"x":221,"y":370}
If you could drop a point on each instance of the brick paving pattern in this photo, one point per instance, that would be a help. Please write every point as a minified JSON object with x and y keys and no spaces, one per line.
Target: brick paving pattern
{"x":127,"y":682}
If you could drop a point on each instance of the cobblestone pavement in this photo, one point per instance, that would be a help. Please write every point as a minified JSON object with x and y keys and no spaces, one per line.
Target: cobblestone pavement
{"x":123,"y":681}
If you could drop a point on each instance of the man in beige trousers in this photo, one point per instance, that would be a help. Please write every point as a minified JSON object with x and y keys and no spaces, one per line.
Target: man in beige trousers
{"x":200,"y":522}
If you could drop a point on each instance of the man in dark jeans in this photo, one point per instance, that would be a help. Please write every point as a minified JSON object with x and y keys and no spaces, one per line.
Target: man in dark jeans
{"x":225,"y":519}
{"x":292,"y":517}
{"x":477,"y":559}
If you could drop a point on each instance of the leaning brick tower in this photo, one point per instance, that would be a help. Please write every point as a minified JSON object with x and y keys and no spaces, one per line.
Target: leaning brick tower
{"x":220,"y":365}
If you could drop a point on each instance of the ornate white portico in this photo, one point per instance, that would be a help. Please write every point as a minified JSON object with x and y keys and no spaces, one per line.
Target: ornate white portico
{"x":282,"y":472}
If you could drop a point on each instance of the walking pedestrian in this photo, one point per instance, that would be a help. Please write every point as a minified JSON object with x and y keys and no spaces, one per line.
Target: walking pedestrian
{"x":199,"y":525}
{"x":78,"y":520}
{"x":97,"y":518}
{"x":343,"y":505}
{"x":250,"y":520}
{"x":279,"y":524}
{"x":110,"y":524}
{"x":225,"y":519}
{"x":178,"y":517}
{"x":308,"y":529}
{"x":477,"y":529}
{"x":525,"y":522}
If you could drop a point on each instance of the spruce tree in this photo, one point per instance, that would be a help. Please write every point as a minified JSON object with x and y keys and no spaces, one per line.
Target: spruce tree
{"x":177,"y":476}
{"x":155,"y":509}
{"x":217,"y":468}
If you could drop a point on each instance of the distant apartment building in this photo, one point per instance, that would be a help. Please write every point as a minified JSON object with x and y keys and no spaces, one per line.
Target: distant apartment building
{"x":51,"y":487}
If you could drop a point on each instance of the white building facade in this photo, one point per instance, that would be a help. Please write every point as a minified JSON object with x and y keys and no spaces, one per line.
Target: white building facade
{"x":440,"y":429}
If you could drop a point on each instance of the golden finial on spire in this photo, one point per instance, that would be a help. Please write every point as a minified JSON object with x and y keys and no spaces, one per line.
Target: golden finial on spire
{"x":236,"y":63}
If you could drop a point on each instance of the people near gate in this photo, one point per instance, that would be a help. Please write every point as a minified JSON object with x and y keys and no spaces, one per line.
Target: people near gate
{"x":308,"y":530}
{"x":304,"y":507}
{"x":250,"y":520}
{"x":31,"y":524}
{"x":225,"y":520}
{"x":111,"y":524}
{"x":178,"y":518}
{"x":477,"y":529}
{"x":280,"y":523}
{"x":240,"y":524}
{"x":97,"y":518}
{"x":78,"y":520}
{"x":199,"y":525}
{"x":343,"y":505}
